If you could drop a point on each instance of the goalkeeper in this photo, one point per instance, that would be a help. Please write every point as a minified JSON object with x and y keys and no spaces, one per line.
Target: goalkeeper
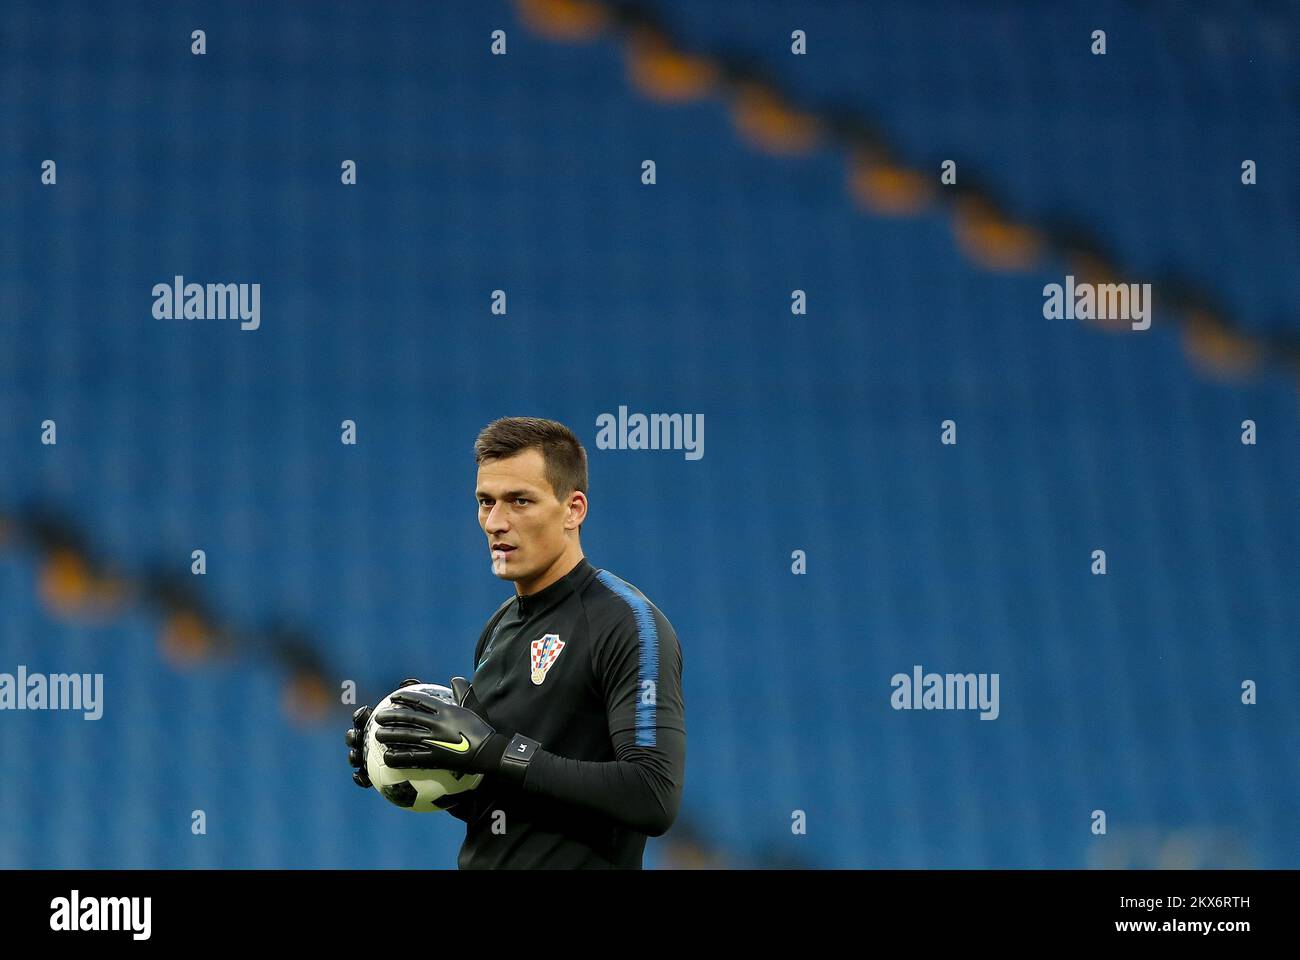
{"x":575,"y":715}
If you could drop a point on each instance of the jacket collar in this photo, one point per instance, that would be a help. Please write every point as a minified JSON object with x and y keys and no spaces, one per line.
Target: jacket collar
{"x":533,"y":602}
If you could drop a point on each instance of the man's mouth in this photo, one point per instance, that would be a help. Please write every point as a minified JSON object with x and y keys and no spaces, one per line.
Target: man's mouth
{"x":501,"y":549}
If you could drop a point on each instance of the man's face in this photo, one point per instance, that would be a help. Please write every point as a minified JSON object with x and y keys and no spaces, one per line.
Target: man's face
{"x":524,"y":522}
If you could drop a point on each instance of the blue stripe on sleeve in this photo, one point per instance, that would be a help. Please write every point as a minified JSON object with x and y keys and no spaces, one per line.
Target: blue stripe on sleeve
{"x":648,"y":668}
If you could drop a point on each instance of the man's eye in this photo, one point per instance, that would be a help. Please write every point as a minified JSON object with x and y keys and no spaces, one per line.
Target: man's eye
{"x":522,"y":500}
{"x":483,"y":501}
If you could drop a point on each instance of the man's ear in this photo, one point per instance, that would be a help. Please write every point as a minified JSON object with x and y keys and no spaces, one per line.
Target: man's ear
{"x":577,"y":508}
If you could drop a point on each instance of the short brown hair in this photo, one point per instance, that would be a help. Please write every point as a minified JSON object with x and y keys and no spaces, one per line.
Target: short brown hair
{"x":566,"y":461}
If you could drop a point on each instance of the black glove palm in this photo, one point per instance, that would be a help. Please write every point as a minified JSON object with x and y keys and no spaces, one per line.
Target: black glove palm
{"x":355,"y":738}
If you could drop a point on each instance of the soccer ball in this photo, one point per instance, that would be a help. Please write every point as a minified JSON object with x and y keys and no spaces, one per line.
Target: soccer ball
{"x":421,"y":791}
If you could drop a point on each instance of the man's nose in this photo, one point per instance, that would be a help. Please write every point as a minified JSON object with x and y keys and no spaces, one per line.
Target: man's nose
{"x":496,"y":520}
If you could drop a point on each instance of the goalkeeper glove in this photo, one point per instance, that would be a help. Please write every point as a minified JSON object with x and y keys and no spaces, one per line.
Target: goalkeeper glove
{"x":420,"y":730}
{"x":355,"y":738}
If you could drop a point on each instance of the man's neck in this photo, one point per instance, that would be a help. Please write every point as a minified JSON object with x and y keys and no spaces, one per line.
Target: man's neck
{"x":562,"y":566}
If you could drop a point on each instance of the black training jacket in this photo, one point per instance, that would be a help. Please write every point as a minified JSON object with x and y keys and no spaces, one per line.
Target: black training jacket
{"x":592,"y":670}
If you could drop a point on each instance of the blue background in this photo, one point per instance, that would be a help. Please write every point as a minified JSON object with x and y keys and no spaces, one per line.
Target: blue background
{"x":522,"y":173}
